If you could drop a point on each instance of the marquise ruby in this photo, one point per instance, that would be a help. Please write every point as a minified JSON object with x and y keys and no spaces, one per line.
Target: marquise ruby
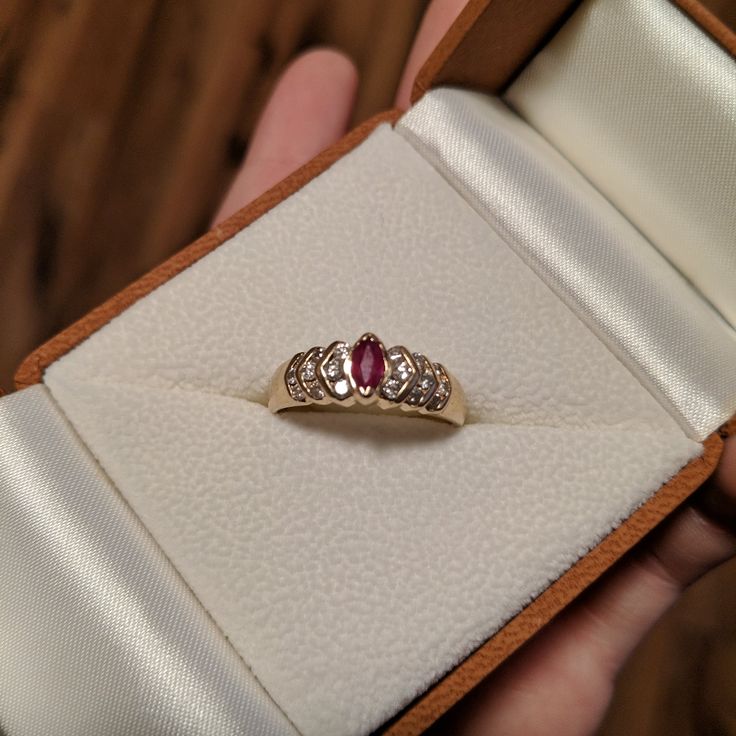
{"x":367,"y":364}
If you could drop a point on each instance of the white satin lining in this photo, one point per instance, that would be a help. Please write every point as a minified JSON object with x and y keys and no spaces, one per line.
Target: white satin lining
{"x":584,"y":249}
{"x":92,"y":614}
{"x":643,"y":103}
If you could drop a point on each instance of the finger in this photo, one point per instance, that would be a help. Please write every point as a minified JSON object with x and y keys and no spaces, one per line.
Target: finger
{"x":436,"y":21}
{"x":308,"y":111}
{"x":566,"y":673}
{"x":687,"y":547}
{"x":718,"y":500}
{"x":725,"y":475}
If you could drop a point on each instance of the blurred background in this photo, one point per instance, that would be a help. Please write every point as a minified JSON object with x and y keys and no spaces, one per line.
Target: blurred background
{"x":121,"y":124}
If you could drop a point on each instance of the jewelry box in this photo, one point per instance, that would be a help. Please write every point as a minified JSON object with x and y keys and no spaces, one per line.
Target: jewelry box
{"x":554,"y":218}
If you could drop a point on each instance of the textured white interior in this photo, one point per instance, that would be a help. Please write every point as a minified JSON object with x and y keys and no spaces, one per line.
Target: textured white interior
{"x":352,"y":560}
{"x":643,"y":102}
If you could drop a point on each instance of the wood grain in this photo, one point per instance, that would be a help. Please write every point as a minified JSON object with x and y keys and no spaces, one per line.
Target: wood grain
{"x":121,"y":124}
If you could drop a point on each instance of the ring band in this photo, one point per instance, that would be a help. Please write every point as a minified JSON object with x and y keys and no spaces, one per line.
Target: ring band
{"x":366,"y":374}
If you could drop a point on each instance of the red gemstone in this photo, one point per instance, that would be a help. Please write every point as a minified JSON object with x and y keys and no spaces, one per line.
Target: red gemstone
{"x":368,"y":366}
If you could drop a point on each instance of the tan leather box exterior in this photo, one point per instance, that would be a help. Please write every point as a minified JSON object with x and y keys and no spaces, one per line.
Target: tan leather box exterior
{"x":485,"y":49}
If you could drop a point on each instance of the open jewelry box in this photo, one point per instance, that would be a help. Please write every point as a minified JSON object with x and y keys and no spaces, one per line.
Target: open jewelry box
{"x":553,"y":219}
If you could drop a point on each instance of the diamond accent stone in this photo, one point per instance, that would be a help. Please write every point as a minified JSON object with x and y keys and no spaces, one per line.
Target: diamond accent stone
{"x":402,"y":374}
{"x":342,"y":351}
{"x":391,"y":388}
{"x":315,"y":390}
{"x":403,"y":370}
{"x":444,"y":389}
{"x":307,"y":374}
{"x":422,"y":392}
{"x":332,"y":373}
{"x":308,"y":371}
{"x":297,"y":394}
{"x":292,"y":385}
{"x":333,"y":370}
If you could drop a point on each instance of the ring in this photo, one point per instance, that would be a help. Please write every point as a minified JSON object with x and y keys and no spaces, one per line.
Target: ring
{"x":367,"y":375}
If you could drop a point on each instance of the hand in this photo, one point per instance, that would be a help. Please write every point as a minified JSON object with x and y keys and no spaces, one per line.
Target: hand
{"x":561,"y":682}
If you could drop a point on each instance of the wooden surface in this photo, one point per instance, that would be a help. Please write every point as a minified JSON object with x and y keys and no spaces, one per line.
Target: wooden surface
{"x":120,"y":125}
{"x":122,"y":122}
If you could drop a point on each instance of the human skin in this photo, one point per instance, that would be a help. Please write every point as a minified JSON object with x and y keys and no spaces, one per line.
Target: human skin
{"x":562,"y":681}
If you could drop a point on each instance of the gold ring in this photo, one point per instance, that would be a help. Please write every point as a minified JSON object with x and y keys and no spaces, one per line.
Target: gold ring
{"x":367,"y":375}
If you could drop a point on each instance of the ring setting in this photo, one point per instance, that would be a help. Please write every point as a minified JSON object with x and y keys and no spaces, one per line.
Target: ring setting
{"x":369,"y":375}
